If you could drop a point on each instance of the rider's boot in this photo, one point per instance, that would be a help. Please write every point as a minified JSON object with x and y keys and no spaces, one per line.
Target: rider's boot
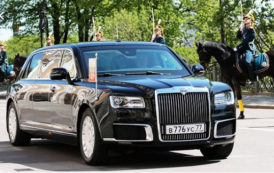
{"x":250,"y":73}
{"x":241,"y":116}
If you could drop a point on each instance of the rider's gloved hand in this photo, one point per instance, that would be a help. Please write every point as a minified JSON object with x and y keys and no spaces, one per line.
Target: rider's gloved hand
{"x":235,"y":49}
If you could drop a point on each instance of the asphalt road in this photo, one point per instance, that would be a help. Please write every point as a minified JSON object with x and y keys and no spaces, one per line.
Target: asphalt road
{"x":253,"y":151}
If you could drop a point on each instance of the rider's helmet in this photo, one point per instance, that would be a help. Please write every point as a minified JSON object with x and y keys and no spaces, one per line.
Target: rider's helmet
{"x":250,"y":16}
{"x":99,"y":35}
{"x":161,"y":29}
{"x":51,"y":39}
{"x":3,"y":44}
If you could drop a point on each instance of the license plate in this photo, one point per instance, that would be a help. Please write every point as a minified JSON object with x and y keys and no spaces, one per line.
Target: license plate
{"x":185,"y":128}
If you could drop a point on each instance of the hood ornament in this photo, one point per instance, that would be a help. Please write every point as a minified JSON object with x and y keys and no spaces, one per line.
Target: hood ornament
{"x":183,"y":91}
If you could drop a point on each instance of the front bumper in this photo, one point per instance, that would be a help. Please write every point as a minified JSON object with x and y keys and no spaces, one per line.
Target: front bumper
{"x":146,"y":135}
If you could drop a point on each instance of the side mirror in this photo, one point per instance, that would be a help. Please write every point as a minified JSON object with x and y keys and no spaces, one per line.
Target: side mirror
{"x":198,"y":70}
{"x":60,"y":74}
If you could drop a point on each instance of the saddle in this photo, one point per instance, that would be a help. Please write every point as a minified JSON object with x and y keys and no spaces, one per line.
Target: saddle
{"x":260,"y":63}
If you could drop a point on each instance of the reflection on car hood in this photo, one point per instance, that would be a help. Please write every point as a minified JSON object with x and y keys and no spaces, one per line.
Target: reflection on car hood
{"x":148,"y":84}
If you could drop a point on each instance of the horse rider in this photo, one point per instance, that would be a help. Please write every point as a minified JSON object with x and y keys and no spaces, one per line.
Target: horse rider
{"x":158,"y":36}
{"x":247,"y":34}
{"x":3,"y":57}
{"x":49,"y":40}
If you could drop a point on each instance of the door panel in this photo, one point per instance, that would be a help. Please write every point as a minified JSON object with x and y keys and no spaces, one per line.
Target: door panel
{"x":41,"y":115}
{"x":62,"y":93}
{"x":61,"y":100}
{"x":25,"y":88}
{"x":40,"y":103}
{"x":23,"y":95}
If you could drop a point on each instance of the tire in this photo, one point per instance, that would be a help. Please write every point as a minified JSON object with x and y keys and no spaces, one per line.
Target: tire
{"x":93,"y":151}
{"x":16,"y":135}
{"x":217,"y":152}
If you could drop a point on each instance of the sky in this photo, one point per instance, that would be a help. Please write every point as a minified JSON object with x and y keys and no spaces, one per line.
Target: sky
{"x":5,"y":34}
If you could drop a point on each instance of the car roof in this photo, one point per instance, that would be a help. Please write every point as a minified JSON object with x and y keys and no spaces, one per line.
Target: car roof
{"x":101,"y":43}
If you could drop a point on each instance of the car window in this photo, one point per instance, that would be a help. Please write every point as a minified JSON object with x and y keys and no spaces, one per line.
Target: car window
{"x":122,"y":60}
{"x":69,"y":63}
{"x":51,"y":59}
{"x":33,"y":70}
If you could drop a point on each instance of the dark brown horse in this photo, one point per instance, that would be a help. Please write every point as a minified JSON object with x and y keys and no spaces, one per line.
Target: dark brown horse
{"x":225,"y":56}
{"x":19,"y":61}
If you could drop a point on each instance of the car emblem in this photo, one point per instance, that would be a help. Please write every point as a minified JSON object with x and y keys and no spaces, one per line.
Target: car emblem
{"x":183,"y":91}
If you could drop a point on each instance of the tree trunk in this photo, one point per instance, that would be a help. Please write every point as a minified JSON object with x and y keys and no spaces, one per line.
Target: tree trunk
{"x":56,"y":22}
{"x":79,"y":21}
{"x":87,"y":27}
{"x":222,"y":31}
{"x":66,"y":30}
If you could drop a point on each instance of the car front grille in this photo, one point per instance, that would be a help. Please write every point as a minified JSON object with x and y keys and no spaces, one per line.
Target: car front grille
{"x":183,"y":108}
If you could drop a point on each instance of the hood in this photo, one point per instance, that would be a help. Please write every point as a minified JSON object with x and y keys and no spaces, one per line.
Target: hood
{"x":149,"y":84}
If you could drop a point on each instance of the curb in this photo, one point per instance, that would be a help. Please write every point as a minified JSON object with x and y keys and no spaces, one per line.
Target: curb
{"x":254,"y":106}
{"x":255,"y":94}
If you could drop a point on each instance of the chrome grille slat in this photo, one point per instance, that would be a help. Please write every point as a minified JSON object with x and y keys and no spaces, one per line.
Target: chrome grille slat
{"x":178,"y":108}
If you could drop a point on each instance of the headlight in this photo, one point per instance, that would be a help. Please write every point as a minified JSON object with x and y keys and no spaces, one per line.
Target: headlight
{"x":127,"y":102}
{"x":226,"y":98}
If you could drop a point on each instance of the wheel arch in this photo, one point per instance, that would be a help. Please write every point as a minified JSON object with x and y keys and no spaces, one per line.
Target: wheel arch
{"x":9,"y":101}
{"x":80,"y":115}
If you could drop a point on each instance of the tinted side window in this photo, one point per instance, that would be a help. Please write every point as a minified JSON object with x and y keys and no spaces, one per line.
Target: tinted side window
{"x":69,"y":63}
{"x":33,"y":70}
{"x":51,"y":59}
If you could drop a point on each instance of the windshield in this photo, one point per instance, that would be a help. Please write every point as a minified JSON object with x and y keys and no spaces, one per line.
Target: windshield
{"x":122,"y":60}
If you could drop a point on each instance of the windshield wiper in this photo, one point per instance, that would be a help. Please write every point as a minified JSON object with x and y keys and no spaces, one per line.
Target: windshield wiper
{"x":109,"y":74}
{"x":147,"y":73}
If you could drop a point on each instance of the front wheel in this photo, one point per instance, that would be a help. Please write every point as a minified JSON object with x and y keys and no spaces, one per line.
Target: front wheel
{"x":92,"y":149}
{"x":217,"y":152}
{"x":16,"y":135}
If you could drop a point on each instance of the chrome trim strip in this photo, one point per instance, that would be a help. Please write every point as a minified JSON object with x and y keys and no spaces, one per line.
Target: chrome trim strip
{"x":26,"y":127}
{"x":188,"y":89}
{"x":148,"y":130}
{"x":215,"y":128}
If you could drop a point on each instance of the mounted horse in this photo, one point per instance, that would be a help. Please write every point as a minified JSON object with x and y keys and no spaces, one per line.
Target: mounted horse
{"x":233,"y":70}
{"x":12,"y":71}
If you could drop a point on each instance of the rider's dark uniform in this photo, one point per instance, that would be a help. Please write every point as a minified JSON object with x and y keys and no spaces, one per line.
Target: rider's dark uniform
{"x":248,"y":48}
{"x":159,"y":40}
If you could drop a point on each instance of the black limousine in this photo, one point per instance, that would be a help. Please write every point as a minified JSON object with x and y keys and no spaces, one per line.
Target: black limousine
{"x":144,"y":95}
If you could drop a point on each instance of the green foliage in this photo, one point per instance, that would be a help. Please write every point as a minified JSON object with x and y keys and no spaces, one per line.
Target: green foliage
{"x":131,"y":26}
{"x":189,"y":54}
{"x":22,"y":45}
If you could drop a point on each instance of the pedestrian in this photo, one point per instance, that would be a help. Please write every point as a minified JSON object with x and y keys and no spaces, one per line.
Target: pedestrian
{"x":247,"y":34}
{"x":158,"y":35}
{"x":3,"y":58}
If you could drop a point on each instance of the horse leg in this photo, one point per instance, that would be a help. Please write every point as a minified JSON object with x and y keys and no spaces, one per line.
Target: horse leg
{"x":238,"y":92}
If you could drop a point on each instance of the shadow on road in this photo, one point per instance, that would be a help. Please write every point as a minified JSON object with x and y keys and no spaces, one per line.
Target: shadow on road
{"x":53,"y":156}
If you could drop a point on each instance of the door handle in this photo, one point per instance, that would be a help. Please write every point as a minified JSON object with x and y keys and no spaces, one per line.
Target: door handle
{"x":53,"y":88}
